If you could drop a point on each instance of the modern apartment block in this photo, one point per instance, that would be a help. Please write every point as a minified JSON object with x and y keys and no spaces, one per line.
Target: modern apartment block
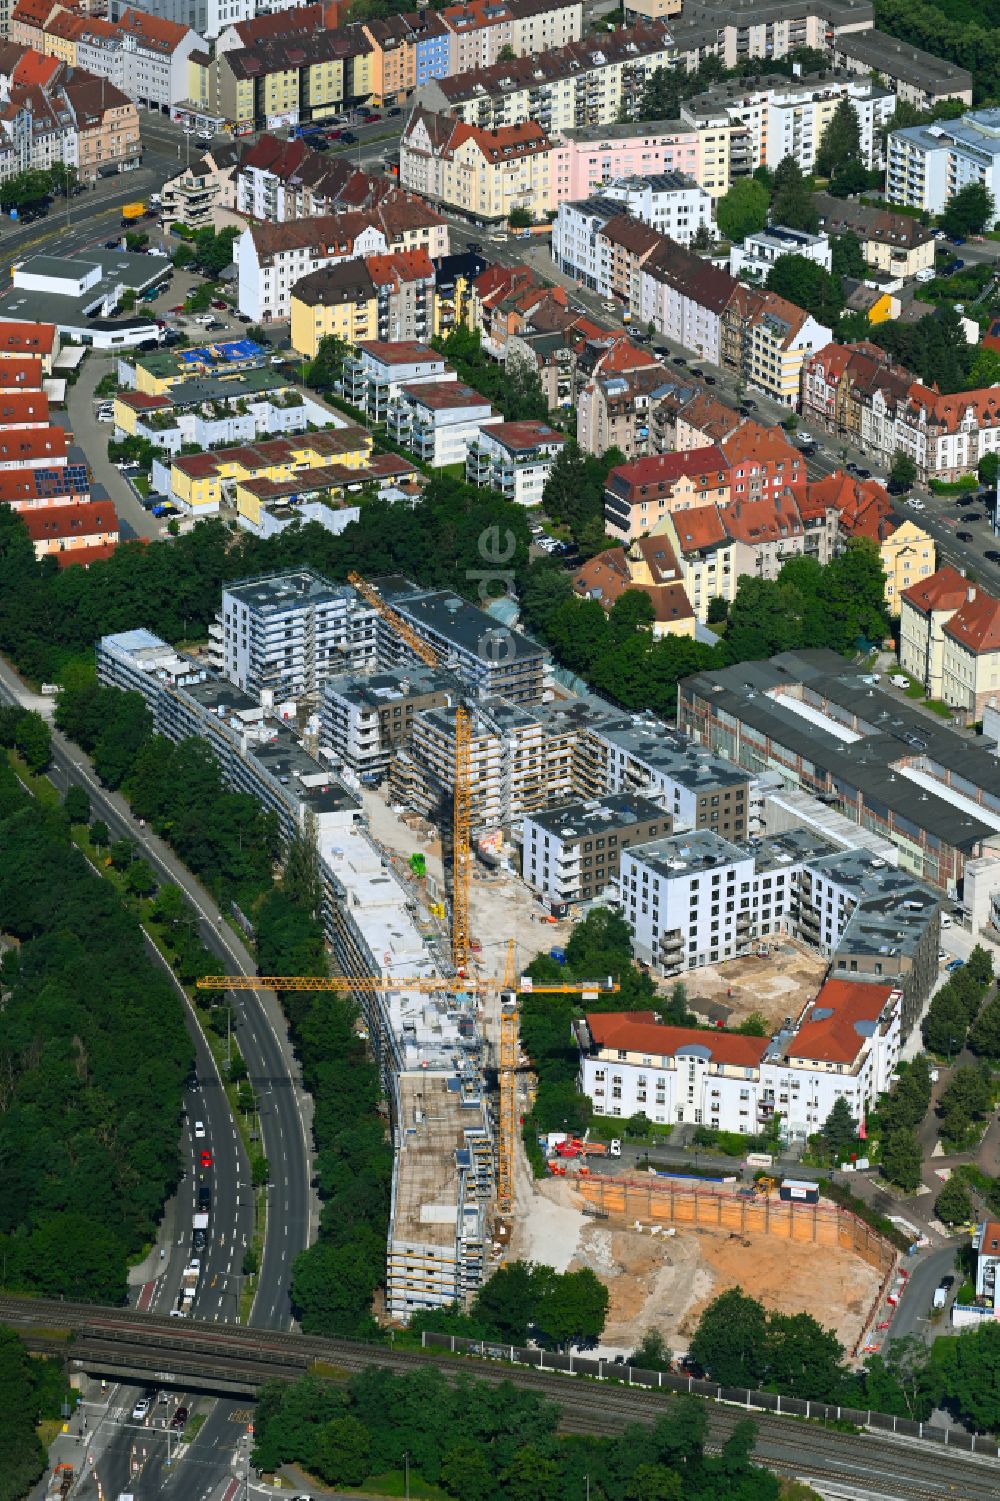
{"x":493,"y":659}
{"x":365,"y":719}
{"x":285,"y":635}
{"x":375,"y":376}
{"x":571,"y":853}
{"x":428,"y":1047}
{"x":929,"y":164}
{"x":916,"y":77}
{"x":514,"y":458}
{"x":898,"y":772}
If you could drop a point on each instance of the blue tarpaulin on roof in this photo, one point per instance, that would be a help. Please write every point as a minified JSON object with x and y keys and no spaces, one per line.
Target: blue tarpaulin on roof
{"x":238,"y":349}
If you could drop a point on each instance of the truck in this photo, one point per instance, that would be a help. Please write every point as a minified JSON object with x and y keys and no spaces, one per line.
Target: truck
{"x":200,"y":1222}
{"x":133,"y":211}
{"x":601,"y":1148}
{"x":189,"y":1280}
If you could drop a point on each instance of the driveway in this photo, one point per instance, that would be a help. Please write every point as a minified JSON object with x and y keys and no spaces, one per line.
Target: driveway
{"x":92,"y":436}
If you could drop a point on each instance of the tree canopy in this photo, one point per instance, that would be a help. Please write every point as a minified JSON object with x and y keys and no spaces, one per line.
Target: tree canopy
{"x":483,"y":1442}
{"x":93,"y":1055}
{"x":791,"y":200}
{"x":969,"y":211}
{"x":809,"y":286}
{"x":743,"y":209}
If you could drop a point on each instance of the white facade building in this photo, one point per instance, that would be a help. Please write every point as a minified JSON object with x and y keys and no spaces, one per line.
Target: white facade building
{"x":671,"y":202}
{"x":576,"y":244}
{"x":759,"y":252}
{"x":929,"y":164}
{"x":514,"y":458}
{"x":373,"y":381}
{"x":438,"y":419}
{"x":844,"y":1045}
{"x":286,"y":634}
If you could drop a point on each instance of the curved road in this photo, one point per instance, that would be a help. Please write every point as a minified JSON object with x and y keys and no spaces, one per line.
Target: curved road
{"x":285,"y":1123}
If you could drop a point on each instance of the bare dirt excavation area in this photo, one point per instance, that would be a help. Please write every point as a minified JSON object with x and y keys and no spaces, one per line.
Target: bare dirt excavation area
{"x":663,"y":1282}
{"x":776,"y":985}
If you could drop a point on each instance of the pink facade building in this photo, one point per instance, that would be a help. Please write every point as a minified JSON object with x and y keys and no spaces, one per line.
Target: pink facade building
{"x":584,"y":159}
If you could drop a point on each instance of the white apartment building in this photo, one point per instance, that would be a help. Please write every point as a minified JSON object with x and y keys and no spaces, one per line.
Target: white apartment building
{"x":284,"y":635}
{"x":374,"y":379}
{"x":514,"y":458}
{"x":928,"y":164}
{"x":671,"y":202}
{"x":759,"y":253}
{"x":576,"y":245}
{"x":788,"y":117}
{"x":843,"y":1045}
{"x":156,"y":53}
{"x":438,"y":419}
{"x":206,"y":17}
{"x":478,"y":33}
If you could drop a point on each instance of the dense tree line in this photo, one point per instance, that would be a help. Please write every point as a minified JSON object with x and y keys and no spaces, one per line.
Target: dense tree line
{"x":224,"y":837}
{"x":961,"y":31}
{"x":484,"y":1442}
{"x":935,"y":349}
{"x":743,"y":1344}
{"x":30,"y":1389}
{"x":839,"y":606}
{"x":898,"y":1116}
{"x":574,"y":494}
{"x":49,"y":617}
{"x":513,"y":386}
{"x":93,"y":1053}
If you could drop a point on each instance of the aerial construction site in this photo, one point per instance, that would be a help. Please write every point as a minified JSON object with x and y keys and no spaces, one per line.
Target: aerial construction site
{"x":368,"y":716}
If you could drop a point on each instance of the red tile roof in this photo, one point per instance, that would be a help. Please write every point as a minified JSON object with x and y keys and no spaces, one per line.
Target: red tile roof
{"x":752,"y":443}
{"x":840,"y":1018}
{"x":82,"y":557}
{"x":660,"y":472}
{"x":639,"y":1032}
{"x":19,"y":407}
{"x":400,"y":266}
{"x":772,"y":518}
{"x":20,"y":373}
{"x":976,"y":625}
{"x":25,"y":443}
{"x":52,"y":523}
{"x":946,"y":589}
{"x":698,"y":528}
{"x":154,"y":33}
{"x":26,"y":338}
{"x":399,"y":352}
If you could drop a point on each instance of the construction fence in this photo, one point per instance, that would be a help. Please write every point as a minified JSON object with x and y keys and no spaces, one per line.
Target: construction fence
{"x":651,"y":1201}
{"x":667,"y":1381}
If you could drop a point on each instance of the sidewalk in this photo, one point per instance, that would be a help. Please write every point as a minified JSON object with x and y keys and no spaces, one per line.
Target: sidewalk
{"x":154,"y":1262}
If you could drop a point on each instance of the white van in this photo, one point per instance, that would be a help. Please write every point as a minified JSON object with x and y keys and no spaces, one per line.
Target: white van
{"x":946,"y":921}
{"x":927,"y":274}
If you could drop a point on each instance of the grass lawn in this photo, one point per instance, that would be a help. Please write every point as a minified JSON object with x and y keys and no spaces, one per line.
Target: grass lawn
{"x":141,"y":483}
{"x":937,"y":707}
{"x":194,"y":1426}
{"x":393,"y":1483}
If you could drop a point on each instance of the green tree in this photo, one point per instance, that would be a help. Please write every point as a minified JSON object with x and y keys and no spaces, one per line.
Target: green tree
{"x":141,"y":880}
{"x":260,"y":1170}
{"x":953,"y":1205}
{"x":802,"y":1356}
{"x":989,"y":465}
{"x":809,"y":286}
{"x":901,"y":1159}
{"x":343,"y":1447}
{"x":327,"y":369}
{"x":77,"y":804}
{"x":984,"y":1034}
{"x":718,"y":610}
{"x":506,"y":1303}
{"x":969,"y":211}
{"x":979,"y":965}
{"x":964,"y":1370}
{"x":791,"y":201}
{"x":654,"y":1483}
{"x":945,"y":1025}
{"x":742,"y":210}
{"x":519,"y":217}
{"x":847,"y":257}
{"x":99,"y":834}
{"x":841,"y":140}
{"x":984,"y":371}
{"x":652,"y":1353}
{"x":903,"y":472}
{"x":840,"y":1130}
{"x":572,"y":1307}
{"x":730,"y":1340}
{"x":23,"y":1454}
{"x":33,"y":739}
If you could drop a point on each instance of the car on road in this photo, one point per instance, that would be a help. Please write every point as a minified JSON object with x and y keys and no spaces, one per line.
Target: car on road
{"x":915,"y":504}
{"x":954,"y":964}
{"x":373,"y":115}
{"x":991,"y":555}
{"x":698,"y":374}
{"x":179,"y":1418}
{"x":349,"y":138}
{"x":140,"y":1411}
{"x":679,"y":359}
{"x":199,"y":1130}
{"x":244,"y":318}
{"x":966,"y":500}
{"x":748,"y":405}
{"x":964,"y":536}
{"x":177,"y":308}
{"x":709,"y":380}
{"x":956,"y":239}
{"x":973,"y":516}
{"x":199,"y":1240}
{"x":112,"y":244}
{"x":204,"y":1198}
{"x":950,"y":267}
{"x":205,"y":1159}
{"x":392,"y":113}
{"x":223,"y":307}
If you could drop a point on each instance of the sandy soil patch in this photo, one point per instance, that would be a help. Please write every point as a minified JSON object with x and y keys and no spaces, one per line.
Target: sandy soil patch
{"x":776,"y":987}
{"x":663,"y":1282}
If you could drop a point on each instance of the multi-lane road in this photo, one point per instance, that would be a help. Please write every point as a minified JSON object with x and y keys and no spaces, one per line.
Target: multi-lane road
{"x":285,"y":1126}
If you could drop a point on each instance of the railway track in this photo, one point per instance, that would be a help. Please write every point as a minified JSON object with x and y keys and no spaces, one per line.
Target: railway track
{"x":875,"y":1464}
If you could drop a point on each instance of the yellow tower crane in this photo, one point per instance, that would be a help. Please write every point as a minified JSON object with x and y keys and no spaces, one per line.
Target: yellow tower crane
{"x":508,"y":987}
